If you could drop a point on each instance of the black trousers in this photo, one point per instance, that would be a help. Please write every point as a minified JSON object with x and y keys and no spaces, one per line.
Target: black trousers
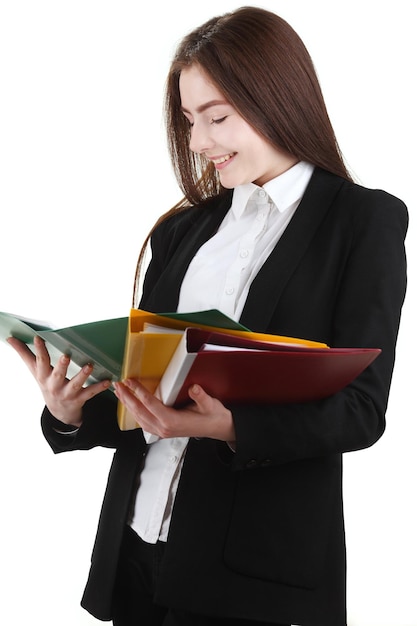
{"x":133,"y":596}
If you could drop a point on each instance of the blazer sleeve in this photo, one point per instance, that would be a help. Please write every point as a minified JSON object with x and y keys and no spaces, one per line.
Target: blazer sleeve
{"x":366,"y":314}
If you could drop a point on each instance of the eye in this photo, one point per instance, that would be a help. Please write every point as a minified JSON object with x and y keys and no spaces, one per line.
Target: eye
{"x":218,"y":120}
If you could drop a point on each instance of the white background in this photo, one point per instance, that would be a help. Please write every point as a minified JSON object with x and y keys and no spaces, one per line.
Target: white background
{"x":84,"y":174}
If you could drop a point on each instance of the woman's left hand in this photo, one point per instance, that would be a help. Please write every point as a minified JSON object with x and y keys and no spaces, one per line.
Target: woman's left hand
{"x":204,"y":416}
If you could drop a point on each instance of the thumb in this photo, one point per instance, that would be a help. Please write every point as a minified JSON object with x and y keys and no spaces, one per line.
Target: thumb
{"x":200,"y":397}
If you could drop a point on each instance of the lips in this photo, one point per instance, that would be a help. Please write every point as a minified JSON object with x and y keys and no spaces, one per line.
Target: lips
{"x":222,"y":159}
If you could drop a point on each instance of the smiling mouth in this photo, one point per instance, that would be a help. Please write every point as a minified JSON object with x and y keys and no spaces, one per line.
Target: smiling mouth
{"x":223,"y":159}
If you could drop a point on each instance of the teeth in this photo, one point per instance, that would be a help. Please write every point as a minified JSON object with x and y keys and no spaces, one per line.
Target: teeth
{"x":223,"y":159}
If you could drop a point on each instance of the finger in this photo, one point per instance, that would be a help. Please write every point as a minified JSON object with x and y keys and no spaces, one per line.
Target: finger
{"x":58,"y":373}
{"x":143,"y":394}
{"x":43,"y":360}
{"x":130,"y":393}
{"x":220,"y":425}
{"x":78,"y":381}
{"x":138,"y":404}
{"x":94,"y":389}
{"x":204,"y":402}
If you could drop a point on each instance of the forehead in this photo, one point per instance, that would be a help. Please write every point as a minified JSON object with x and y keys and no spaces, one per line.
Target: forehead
{"x":197,"y":89}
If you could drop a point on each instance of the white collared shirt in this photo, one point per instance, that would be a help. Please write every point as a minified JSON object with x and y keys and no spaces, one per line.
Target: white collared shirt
{"x":222,"y":271}
{"x":219,"y":276}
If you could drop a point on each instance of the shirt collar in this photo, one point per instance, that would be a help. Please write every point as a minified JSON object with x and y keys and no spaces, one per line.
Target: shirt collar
{"x":283,"y":190}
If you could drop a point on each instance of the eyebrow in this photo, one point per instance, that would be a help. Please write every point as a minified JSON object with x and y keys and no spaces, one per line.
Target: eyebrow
{"x":205,"y":106}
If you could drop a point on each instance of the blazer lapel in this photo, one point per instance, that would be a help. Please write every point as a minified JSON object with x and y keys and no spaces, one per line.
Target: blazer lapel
{"x":165,"y":294}
{"x":268,"y":285}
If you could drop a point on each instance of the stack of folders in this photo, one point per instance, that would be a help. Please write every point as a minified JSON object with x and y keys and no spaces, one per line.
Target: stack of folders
{"x":169,"y":352}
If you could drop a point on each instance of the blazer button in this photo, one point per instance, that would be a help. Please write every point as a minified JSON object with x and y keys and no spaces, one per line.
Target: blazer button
{"x":251,"y":464}
{"x":266,"y":463}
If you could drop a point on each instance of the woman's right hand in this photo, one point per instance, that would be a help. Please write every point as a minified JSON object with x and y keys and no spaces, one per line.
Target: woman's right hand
{"x":64,"y":397}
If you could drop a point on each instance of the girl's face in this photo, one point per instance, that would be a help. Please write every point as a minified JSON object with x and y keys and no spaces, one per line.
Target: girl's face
{"x":239,"y":153}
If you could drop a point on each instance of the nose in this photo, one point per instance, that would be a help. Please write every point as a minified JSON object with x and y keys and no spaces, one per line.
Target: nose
{"x":200,"y":140}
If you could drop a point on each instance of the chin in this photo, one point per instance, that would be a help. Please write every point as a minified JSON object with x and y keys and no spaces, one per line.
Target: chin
{"x":230,"y":182}
{"x":228,"y":185}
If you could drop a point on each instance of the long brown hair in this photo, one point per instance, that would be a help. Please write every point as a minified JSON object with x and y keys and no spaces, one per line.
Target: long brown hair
{"x":264,"y":70}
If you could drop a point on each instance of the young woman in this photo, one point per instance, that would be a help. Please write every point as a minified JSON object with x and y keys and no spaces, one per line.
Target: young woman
{"x":233,"y":514}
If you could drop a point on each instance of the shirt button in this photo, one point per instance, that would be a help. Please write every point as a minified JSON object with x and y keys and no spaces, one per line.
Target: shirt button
{"x":262,"y":193}
{"x":172,"y":459}
{"x":230,"y":291}
{"x":244,"y":254}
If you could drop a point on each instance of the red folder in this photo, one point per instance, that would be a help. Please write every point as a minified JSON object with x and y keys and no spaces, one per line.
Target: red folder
{"x":238,"y":370}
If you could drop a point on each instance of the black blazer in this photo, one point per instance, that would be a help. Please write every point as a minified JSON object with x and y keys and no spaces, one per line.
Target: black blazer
{"x":259,"y":533}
